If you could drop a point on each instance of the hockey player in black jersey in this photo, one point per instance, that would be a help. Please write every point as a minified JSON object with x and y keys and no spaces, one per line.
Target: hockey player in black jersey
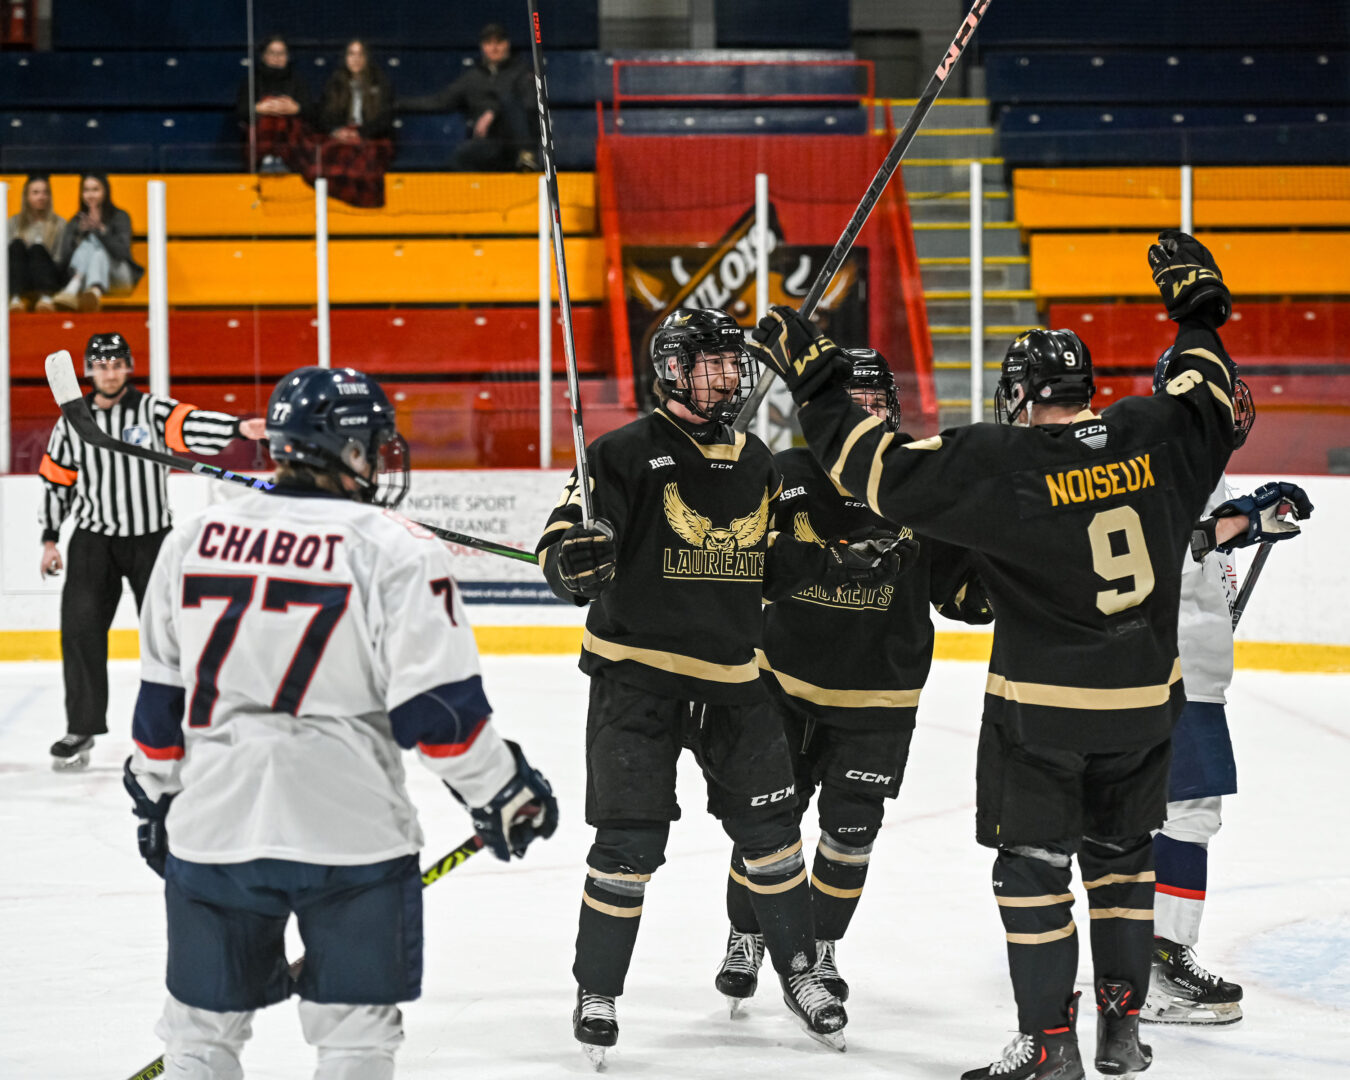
{"x":1080,"y":524}
{"x":849,"y":709}
{"x":675,"y":566}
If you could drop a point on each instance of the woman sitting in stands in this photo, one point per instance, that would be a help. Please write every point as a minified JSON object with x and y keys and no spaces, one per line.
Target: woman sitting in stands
{"x":95,"y":249}
{"x":278,"y":105}
{"x":34,"y":239}
{"x":357,"y":114}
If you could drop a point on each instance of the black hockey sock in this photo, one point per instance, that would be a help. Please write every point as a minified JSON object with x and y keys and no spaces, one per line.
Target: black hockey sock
{"x":1119,"y":878}
{"x":782,"y":901}
{"x":740,"y":910}
{"x":836,"y":884}
{"x":611,"y":908}
{"x":1032,"y":891}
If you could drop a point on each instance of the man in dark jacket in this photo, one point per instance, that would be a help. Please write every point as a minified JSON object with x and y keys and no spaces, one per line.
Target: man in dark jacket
{"x":497,"y":100}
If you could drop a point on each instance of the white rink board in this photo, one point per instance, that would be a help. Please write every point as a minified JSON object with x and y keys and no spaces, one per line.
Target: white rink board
{"x":1304,"y":594}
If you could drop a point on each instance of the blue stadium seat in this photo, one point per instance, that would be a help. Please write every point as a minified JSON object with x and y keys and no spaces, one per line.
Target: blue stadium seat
{"x":1083,"y":135}
{"x":774,"y":24}
{"x":766,"y":120}
{"x":757,"y":79}
{"x":1176,"y":76}
{"x":119,"y":141}
{"x":1168,"y":23}
{"x":427,"y":142}
{"x":155,"y":24}
{"x":113,"y":79}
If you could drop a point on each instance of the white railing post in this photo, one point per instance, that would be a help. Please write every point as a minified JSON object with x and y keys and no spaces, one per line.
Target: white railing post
{"x":976,"y":292}
{"x":545,"y":330}
{"x":321,"y":269}
{"x":1187,"y":200}
{"x":762,"y":278}
{"x":157,"y":237}
{"x":4,"y":346}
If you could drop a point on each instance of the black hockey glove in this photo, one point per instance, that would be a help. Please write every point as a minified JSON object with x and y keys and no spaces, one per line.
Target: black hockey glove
{"x":1189,"y":279}
{"x":520,"y":813}
{"x":151,"y":835}
{"x":799,"y":353}
{"x":869,"y":563}
{"x":1266,"y":509}
{"x":586,"y":558}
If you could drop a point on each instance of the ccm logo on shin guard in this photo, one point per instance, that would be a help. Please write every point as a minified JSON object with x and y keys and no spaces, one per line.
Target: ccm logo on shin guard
{"x":868,"y":777}
{"x":773,"y":796}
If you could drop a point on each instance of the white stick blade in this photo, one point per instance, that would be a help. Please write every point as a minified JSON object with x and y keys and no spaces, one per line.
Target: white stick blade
{"x":62,"y":379}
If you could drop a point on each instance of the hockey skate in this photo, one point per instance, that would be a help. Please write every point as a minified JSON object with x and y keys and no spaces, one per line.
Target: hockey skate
{"x":738,"y":976}
{"x":595,"y":1025}
{"x":829,"y":974}
{"x":1119,"y":1051}
{"x":1041,"y":1055}
{"x":70,"y":753}
{"x":1180,"y":991}
{"x":818,"y":1011}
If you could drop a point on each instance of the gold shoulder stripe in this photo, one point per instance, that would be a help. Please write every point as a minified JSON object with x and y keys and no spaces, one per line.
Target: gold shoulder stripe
{"x":675,"y":663}
{"x":843,"y":699}
{"x":859,"y":430}
{"x":1224,"y":398}
{"x":874,"y":477}
{"x":933,"y":442}
{"x":1083,"y":697}
{"x":1206,"y":354}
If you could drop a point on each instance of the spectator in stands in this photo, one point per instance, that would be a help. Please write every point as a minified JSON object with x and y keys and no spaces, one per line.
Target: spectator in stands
{"x":95,"y":250}
{"x":34,"y":239}
{"x":496,"y":97}
{"x":356,"y":119}
{"x":278,"y":108}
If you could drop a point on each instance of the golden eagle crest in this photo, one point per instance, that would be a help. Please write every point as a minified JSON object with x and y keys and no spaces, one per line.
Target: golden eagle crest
{"x":698,"y":531}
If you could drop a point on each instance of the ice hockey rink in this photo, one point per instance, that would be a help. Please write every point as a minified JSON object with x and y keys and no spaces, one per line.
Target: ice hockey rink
{"x":82,"y":924}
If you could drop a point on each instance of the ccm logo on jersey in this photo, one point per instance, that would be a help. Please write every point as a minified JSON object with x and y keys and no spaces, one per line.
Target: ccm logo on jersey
{"x":661,"y":462}
{"x":868,"y":777}
{"x":774,"y":796}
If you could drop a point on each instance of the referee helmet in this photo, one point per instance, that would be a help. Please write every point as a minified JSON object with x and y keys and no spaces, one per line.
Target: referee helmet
{"x":107,"y":347}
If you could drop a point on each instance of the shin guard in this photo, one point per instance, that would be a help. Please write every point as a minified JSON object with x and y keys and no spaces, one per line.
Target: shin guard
{"x":836,"y":884}
{"x":778,"y":890}
{"x":1031,"y":887}
{"x":1119,"y":879}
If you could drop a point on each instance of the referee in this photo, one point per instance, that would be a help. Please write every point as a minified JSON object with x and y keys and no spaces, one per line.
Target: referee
{"x":121,"y":513}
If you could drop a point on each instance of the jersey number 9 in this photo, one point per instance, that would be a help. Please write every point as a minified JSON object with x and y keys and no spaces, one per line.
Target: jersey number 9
{"x":1111,"y":564}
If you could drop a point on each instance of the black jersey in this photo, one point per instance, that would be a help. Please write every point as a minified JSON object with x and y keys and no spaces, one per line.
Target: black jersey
{"x":691,"y":507}
{"x":853,"y":657}
{"x":1080,"y":530}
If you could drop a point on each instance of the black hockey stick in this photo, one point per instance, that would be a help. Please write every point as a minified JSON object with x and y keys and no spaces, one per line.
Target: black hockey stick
{"x":871,"y":197}
{"x":560,"y":261}
{"x":1249,"y":583}
{"x":66,"y":389}
{"x":434,"y":872}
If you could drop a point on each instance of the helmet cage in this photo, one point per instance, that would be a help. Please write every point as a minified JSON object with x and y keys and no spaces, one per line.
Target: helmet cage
{"x":686,"y":338}
{"x":871,"y":377}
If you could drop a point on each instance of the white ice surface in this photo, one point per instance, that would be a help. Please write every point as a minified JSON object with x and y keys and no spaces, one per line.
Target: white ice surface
{"x":82,"y":929}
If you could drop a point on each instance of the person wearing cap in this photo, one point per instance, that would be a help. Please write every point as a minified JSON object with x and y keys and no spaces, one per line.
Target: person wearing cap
{"x":121,"y":512}
{"x":496,"y":97}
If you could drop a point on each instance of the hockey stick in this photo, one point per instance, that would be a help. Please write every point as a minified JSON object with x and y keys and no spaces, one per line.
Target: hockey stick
{"x":1249,"y":583}
{"x":66,"y":389}
{"x":560,"y":261}
{"x":434,"y":872}
{"x":871,"y":197}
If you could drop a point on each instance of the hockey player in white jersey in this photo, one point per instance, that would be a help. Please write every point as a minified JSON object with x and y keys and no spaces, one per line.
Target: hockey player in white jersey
{"x":292,"y":643}
{"x":1203,"y":770}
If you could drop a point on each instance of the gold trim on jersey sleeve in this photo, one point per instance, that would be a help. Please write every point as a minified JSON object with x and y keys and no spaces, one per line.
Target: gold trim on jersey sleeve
{"x":844,"y":699}
{"x":874,"y":477}
{"x":717,"y":451}
{"x":675,"y":663}
{"x":859,"y":430}
{"x":1206,"y":354}
{"x":1083,"y":697}
{"x":1227,"y":401}
{"x":557,"y":526}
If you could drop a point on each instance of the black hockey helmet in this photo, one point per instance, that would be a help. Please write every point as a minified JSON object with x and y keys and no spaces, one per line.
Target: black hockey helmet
{"x":106,"y":347}
{"x":1043,"y":367}
{"x":871,"y":373}
{"x":688,"y":333}
{"x":1244,"y":405}
{"x":338,"y":421}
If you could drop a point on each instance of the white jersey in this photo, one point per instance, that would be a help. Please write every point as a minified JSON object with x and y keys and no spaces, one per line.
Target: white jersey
{"x":290,"y":645}
{"x":1205,"y":621}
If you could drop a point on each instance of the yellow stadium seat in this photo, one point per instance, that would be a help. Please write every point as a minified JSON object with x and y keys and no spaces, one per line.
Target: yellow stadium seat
{"x":465,"y":204}
{"x":1253,"y":264}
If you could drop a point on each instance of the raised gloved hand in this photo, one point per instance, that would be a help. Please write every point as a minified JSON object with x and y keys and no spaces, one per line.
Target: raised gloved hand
{"x":523,"y":811}
{"x":152,"y":837}
{"x":869,"y":560}
{"x":1266,"y":510}
{"x":799,"y":353}
{"x":1189,"y":279}
{"x":586,"y":555}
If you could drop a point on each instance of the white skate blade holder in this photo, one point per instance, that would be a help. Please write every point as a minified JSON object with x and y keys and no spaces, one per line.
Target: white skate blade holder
{"x":735,"y":1006}
{"x":1174,"y":1010}
{"x":76,"y":763}
{"x":595,"y":1055}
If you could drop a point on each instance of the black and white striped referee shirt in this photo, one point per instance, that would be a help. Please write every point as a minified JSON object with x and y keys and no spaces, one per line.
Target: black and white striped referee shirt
{"x":114,"y":494}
